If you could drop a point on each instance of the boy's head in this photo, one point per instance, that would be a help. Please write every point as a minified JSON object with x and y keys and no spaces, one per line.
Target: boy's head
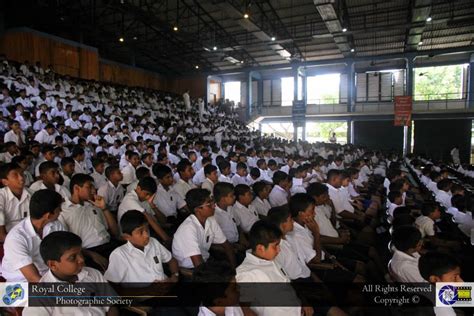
{"x":242,"y":169}
{"x":281,"y":217}
{"x":48,"y":152}
{"x":99,"y":165}
{"x":82,"y":186}
{"x":142,"y":172}
{"x":164,"y":174}
{"x":199,"y":202}
{"x":222,"y":289}
{"x":319,"y":192}
{"x":431,"y":210}
{"x":302,"y":207}
{"x":281,"y":178}
{"x":223,"y":193}
{"x":459,"y":201}
{"x":49,"y":172}
{"x":45,"y":204}
{"x":224,"y":167}
{"x":255,"y":173}
{"x":146,"y":187}
{"x":67,"y":165}
{"x":444,"y":185}
{"x":439,"y":267}
{"x":334,"y":178}
{"x":135,"y":228}
{"x":457,"y":189}
{"x":262,"y":189}
{"x":407,"y":239}
{"x":113,"y":174}
{"x":62,"y":253}
{"x":185,"y":169}
{"x":264,"y":240}
{"x":243,"y":194}
{"x":12,"y":176}
{"x":395,"y":197}
{"x":210,"y":171}
{"x":133,"y":158}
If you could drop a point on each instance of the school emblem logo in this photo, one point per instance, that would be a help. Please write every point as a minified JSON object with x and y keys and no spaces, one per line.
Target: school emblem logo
{"x":450,"y":294}
{"x":14,"y":294}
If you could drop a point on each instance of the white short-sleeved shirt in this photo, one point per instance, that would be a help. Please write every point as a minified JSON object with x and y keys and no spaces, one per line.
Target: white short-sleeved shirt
{"x":405,"y":267}
{"x":191,"y":239}
{"x":444,"y":198}
{"x":208,"y":185}
{"x":244,"y":216}
{"x":223,"y":178}
{"x":278,"y":196}
{"x":336,"y":199}
{"x":22,"y":248}
{"x":85,"y":221}
{"x":13,"y":210}
{"x":227,"y":223}
{"x":326,"y":228}
{"x":425,"y":225}
{"x":182,"y":187}
{"x":131,"y":202}
{"x":288,"y":259}
{"x":99,"y":179}
{"x":199,"y":177}
{"x":39,"y":185}
{"x":129,"y":174}
{"x":130,"y":264}
{"x":229,"y":311}
{"x":10,"y":136}
{"x":112,"y":195}
{"x":297,"y":186}
{"x":391,"y":208}
{"x":168,"y":201}
{"x":236,"y":180}
{"x":261,"y":206}
{"x":256,"y":270}
{"x":87,"y":275}
{"x":302,"y":240}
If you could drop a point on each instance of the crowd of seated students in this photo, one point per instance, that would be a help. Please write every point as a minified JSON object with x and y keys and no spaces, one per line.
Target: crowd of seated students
{"x":104,"y":183}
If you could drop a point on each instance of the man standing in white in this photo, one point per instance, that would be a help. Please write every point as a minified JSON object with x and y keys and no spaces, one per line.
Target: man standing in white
{"x":455,"y":156}
{"x":187,"y":100}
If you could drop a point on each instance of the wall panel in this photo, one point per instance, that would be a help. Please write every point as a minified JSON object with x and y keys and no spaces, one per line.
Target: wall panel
{"x":378,"y":135}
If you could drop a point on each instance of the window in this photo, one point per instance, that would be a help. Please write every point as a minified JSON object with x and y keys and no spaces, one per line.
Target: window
{"x":324,"y":89}
{"x":232,"y":91}
{"x":322,"y":131}
{"x":279,"y":129}
{"x":287,"y":91}
{"x":440,"y":82}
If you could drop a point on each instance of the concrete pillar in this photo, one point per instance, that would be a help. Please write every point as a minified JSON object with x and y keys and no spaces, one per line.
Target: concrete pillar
{"x":351,"y":88}
{"x":260,"y":93}
{"x":410,"y":75}
{"x":249,"y":95}
{"x":350,"y":131}
{"x":470,"y":89}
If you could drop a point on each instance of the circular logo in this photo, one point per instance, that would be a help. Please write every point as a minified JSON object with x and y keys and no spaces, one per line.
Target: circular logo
{"x":448,"y":295}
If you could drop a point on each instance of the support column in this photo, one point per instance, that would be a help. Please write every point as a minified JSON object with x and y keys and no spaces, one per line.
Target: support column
{"x":249,"y":96}
{"x":260,"y":94}
{"x":410,"y":75}
{"x":470,"y":89}
{"x":351,"y":88}
{"x":295,"y":83}
{"x":350,"y":131}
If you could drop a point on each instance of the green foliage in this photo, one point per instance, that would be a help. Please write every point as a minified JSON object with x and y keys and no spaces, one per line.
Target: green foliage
{"x":438,"y":83}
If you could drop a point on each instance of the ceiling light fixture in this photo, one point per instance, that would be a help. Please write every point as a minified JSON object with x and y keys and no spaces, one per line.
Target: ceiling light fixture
{"x":273,"y":38}
{"x":344,"y":30}
{"x":428,"y":19}
{"x":175,"y":28}
{"x":420,"y":43}
{"x":121,"y":39}
{"x":197,"y":67}
{"x":352,"y":50}
{"x":246,"y":16}
{"x":214,"y":48}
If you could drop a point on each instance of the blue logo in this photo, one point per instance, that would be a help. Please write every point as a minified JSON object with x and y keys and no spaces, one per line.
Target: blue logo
{"x":448,"y":294}
{"x":13,"y":293}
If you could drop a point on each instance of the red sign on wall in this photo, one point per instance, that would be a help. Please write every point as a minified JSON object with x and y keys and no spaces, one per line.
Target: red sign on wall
{"x":403,"y":107}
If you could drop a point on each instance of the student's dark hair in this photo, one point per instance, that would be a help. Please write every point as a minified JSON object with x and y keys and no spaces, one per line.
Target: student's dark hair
{"x":434,"y":175}
{"x":459,"y":202}
{"x":260,"y":162}
{"x":272,"y":162}
{"x":299,"y":203}
{"x":66,"y":161}
{"x":142,"y":172}
{"x":259,"y":186}
{"x":241,"y":165}
{"x":209,"y":168}
{"x":55,"y":244}
{"x":392,"y":195}
{"x":217,"y":277}
{"x":393,"y":173}
{"x":403,"y":220}
{"x":77,"y":151}
{"x":47,"y":148}
{"x":406,"y":237}
{"x":241,"y":189}
{"x":111,"y":169}
{"x":7,"y":168}
{"x":255,"y":172}
{"x":428,"y":208}
{"x":47,"y":165}
{"x":79,"y":179}
{"x":279,"y":176}
{"x":454,"y":188}
{"x":131,"y":220}
{"x":316,"y":189}
{"x":401,"y":210}
{"x":147,"y":184}
{"x":18,"y":159}
{"x":44,"y":201}
{"x":160,"y":170}
{"x":222,"y":189}
{"x":444,"y":184}
{"x":223,"y":165}
{"x":182,"y":165}
{"x":196,"y":197}
{"x":333,"y":173}
{"x":437,"y":264}
{"x":263,"y":233}
{"x":206,"y":160}
{"x":96,"y":162}
{"x":278,"y":215}
{"x":396,"y":185}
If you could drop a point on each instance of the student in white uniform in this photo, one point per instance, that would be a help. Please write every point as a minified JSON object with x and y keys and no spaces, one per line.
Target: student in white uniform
{"x":223,"y":295}
{"x":79,"y":156}
{"x":225,"y":199}
{"x":112,"y":192}
{"x":166,"y":199}
{"x":404,"y":263}
{"x":279,"y":194}
{"x":259,"y":266}
{"x":460,"y":216}
{"x":199,"y":231}
{"x":395,"y":200}
{"x":186,"y":174}
{"x":129,"y":171}
{"x":244,"y":212}
{"x":224,"y":168}
{"x":261,"y":189}
{"x":210,"y":171}
{"x":14,"y":198}
{"x":241,"y":176}
{"x":141,"y":259}
{"x":61,"y":252}
{"x":98,"y":168}
{"x":443,"y":196}
{"x":49,"y":178}
{"x":22,"y":261}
